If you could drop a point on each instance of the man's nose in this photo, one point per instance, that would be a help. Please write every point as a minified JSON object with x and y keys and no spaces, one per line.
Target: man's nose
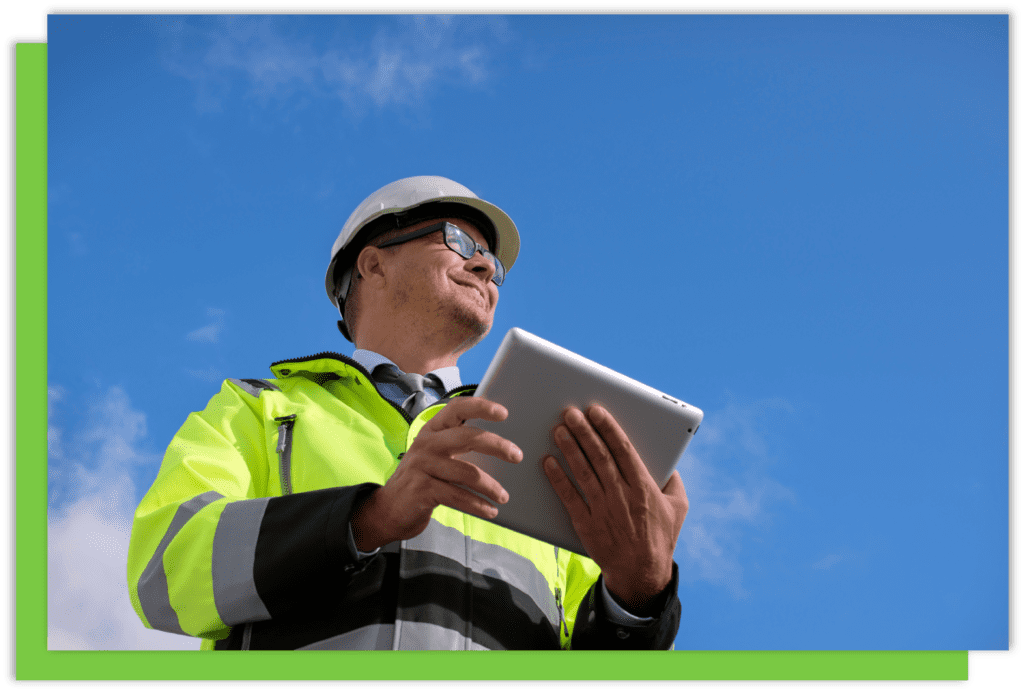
{"x":478,"y":264}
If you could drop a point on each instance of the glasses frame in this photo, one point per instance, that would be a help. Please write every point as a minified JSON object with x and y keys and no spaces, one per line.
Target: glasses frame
{"x":451,"y":233}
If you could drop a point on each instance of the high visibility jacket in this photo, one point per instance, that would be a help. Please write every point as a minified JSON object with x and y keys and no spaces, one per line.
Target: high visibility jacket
{"x":243,"y":537}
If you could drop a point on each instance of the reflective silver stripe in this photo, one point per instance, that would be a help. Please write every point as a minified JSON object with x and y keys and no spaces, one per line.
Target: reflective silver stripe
{"x":515,"y":570}
{"x":489,"y":560}
{"x":153,"y":595}
{"x":369,"y":638}
{"x":424,"y":636}
{"x":253,"y":387}
{"x":234,"y":553}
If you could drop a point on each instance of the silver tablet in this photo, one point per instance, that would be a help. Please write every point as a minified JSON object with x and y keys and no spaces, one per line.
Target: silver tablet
{"x":536,"y":381}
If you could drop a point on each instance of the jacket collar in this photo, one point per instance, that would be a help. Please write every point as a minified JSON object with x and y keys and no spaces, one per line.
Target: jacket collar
{"x":319,"y":363}
{"x":328,"y":363}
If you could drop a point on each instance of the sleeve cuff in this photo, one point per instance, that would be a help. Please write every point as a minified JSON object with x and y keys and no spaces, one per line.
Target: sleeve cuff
{"x":616,"y":613}
{"x":360,"y":555}
{"x":596,"y":627}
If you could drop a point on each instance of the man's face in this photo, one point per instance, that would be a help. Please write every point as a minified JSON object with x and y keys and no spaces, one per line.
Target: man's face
{"x":431,"y":279}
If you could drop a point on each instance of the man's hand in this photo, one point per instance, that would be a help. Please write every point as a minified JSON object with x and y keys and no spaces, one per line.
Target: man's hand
{"x":630,"y":526}
{"x":428,"y":474}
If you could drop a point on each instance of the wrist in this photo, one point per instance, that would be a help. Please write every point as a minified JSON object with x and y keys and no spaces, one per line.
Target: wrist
{"x":366,"y":528}
{"x":640,"y":597}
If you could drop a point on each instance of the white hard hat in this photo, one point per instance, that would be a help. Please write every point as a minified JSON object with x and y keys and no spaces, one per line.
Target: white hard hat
{"x":396,"y":205}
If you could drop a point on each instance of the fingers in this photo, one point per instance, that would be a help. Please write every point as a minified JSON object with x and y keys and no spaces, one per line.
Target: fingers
{"x":564,"y":488}
{"x":579,"y":462}
{"x":465,"y":501}
{"x":628,"y":461}
{"x":589,"y":457}
{"x":455,"y":442}
{"x":436,"y":450}
{"x":459,"y":472}
{"x":462,"y":408}
{"x":430,"y":474}
{"x":606,"y":446}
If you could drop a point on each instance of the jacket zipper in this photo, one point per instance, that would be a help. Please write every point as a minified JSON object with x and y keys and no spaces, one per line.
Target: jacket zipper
{"x":284,"y":454}
{"x":558,"y":600}
{"x":284,"y":451}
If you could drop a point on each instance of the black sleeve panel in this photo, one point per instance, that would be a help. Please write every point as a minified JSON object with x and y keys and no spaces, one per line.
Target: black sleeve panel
{"x":303,"y":553}
{"x":593,"y":629}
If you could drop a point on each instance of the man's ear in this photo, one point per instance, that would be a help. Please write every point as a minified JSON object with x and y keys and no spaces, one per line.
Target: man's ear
{"x":370,"y":263}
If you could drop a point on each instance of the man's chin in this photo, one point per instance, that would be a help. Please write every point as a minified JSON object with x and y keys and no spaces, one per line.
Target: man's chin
{"x":471,"y":330}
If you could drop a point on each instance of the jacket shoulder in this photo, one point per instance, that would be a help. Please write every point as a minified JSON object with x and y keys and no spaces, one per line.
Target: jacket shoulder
{"x":254,"y":387}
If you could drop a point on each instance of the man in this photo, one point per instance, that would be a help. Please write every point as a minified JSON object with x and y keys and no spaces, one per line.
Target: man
{"x":328,"y":508}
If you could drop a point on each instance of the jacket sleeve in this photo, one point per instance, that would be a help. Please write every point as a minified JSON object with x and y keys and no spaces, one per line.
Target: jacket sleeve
{"x":209,"y":549}
{"x":593,"y":629}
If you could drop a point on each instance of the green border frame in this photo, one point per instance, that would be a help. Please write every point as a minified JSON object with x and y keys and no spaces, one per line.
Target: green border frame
{"x":34,"y":662}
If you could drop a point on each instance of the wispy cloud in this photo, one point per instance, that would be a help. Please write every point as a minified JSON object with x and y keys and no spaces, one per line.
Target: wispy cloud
{"x":54,"y":435}
{"x":726,"y":472}
{"x":845,"y":556}
{"x":829,"y":561}
{"x":399,"y":64}
{"x":210,"y":374}
{"x":211,"y":332}
{"x":89,"y":523}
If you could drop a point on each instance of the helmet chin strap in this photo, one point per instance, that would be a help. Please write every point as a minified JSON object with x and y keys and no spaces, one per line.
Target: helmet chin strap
{"x":344,"y":330}
{"x":343,"y":285}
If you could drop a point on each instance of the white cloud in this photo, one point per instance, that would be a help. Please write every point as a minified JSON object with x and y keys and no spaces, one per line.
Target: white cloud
{"x":54,"y":437}
{"x":829,"y":561}
{"x":398,"y":65}
{"x":210,"y":374}
{"x":211,"y":332}
{"x":847,"y":556}
{"x":77,"y":241}
{"x":725,"y":471}
{"x":87,"y":600}
{"x":88,"y":606}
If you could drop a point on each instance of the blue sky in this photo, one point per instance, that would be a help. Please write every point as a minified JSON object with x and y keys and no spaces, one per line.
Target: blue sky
{"x":797,"y":223}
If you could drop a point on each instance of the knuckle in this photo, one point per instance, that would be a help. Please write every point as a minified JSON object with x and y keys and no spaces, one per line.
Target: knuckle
{"x":475,"y":475}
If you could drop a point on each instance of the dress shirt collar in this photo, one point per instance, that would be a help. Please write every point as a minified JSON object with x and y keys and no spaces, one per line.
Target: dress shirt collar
{"x":449,"y":376}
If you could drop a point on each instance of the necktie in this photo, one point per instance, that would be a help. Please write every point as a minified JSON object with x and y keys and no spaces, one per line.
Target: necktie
{"x":411,"y":384}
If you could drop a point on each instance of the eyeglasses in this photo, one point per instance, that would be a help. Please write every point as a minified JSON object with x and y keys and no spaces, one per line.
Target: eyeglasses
{"x":457,"y":240}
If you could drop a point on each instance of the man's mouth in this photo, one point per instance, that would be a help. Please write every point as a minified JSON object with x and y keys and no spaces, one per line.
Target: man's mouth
{"x":478,"y":290}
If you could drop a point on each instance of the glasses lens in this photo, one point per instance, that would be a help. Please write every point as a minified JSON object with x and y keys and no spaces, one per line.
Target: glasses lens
{"x":462,"y":243}
{"x":499,"y":269}
{"x":459,"y":240}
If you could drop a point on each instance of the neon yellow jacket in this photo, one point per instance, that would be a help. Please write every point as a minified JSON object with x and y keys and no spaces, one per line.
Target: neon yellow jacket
{"x":243,"y":537}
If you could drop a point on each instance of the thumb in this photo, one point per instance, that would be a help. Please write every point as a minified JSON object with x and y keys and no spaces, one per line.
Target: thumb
{"x":676,"y":492}
{"x":675,"y":486}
